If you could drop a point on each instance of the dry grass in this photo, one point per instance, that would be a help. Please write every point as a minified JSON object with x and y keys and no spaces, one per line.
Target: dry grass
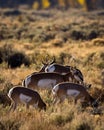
{"x":40,"y":37}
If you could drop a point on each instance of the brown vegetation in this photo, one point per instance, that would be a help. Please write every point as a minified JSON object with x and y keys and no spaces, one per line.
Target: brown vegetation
{"x":75,"y":38}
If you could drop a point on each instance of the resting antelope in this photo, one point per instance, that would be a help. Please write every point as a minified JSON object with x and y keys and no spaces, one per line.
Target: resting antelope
{"x":26,"y":96}
{"x":76,"y":91}
{"x":44,"y":80}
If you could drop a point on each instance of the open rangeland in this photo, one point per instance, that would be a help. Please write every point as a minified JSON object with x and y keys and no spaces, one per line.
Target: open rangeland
{"x":74,"y":38}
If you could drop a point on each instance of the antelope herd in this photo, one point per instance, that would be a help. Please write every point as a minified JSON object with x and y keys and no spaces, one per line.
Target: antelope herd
{"x":63,"y":81}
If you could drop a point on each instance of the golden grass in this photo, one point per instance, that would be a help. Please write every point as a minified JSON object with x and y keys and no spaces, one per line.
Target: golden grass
{"x":64,"y":116}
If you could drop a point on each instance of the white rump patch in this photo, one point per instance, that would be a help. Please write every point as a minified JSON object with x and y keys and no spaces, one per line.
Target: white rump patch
{"x":73,"y":93}
{"x":27,"y":81}
{"x":25,"y":98}
{"x":46,"y":83}
{"x":50,"y":68}
{"x":55,"y":89}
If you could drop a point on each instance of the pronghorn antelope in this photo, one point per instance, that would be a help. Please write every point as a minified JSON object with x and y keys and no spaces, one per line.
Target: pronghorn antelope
{"x":77,"y":74}
{"x":44,"y":80}
{"x":76,"y":91}
{"x":55,"y":67}
{"x":26,"y":96}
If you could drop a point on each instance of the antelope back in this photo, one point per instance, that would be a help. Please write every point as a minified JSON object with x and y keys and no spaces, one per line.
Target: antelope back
{"x":57,"y":68}
{"x":77,"y":91}
{"x":43,"y":80}
{"x":71,"y":90}
{"x":20,"y":94}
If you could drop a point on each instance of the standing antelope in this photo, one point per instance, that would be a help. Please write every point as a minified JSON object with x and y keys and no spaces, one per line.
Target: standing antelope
{"x":55,"y":67}
{"x":77,"y":74}
{"x":44,"y":80}
{"x":26,"y":96}
{"x":77,"y":91}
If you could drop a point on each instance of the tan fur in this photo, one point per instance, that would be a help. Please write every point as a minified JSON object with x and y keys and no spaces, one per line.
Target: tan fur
{"x":35,"y":78}
{"x":61,"y":89}
{"x":35,"y":99}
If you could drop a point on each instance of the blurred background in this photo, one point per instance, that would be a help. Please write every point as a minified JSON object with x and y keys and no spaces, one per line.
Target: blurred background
{"x":46,"y":4}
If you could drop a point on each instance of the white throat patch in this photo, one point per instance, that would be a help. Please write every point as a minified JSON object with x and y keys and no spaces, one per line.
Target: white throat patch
{"x":51,"y":68}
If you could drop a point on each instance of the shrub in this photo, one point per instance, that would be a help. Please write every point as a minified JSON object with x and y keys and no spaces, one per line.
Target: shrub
{"x":59,"y":120}
{"x":93,"y":34}
{"x":98,"y":42}
{"x":4,"y":99}
{"x":9,"y":125}
{"x":83,"y":126}
{"x":98,"y":93}
{"x":102,"y":55}
{"x":5,"y":51}
{"x":100,"y":65}
{"x":63,"y":56}
{"x":12,"y":12}
{"x":17,"y":59}
{"x":77,"y":35}
{"x":89,"y":59}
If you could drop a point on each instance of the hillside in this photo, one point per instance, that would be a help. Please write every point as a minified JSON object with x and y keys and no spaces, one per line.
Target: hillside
{"x":75,"y":38}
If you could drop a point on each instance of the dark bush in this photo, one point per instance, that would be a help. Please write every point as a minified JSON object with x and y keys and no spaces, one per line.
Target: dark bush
{"x":4,"y":99}
{"x":83,"y":126}
{"x":12,"y":12}
{"x":17,"y":59}
{"x":77,"y":35}
{"x":92,"y":35}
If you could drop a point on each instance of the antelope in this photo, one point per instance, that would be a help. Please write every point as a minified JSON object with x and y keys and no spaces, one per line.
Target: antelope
{"x":76,"y":91}
{"x":44,"y":80}
{"x":54,"y":67}
{"x":19,"y":94}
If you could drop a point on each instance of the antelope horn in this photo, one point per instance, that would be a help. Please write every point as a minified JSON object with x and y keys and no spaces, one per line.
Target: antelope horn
{"x":53,"y":61}
{"x":44,"y":63}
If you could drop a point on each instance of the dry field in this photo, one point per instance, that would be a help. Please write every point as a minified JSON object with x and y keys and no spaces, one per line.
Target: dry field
{"x":75,"y":38}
